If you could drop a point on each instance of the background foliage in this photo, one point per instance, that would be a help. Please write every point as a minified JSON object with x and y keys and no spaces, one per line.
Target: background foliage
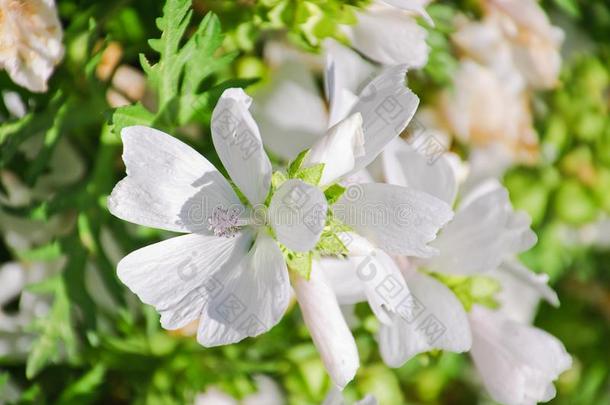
{"x":98,"y":344}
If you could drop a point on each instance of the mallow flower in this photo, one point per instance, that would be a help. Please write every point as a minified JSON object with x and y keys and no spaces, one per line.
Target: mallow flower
{"x":517,"y":362}
{"x":228,"y":271}
{"x":483,"y":232}
{"x":388,"y":33}
{"x":375,"y":218}
{"x":30,"y":41}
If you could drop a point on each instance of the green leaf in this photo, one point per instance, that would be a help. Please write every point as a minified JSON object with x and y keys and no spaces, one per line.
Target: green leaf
{"x":296,"y":164}
{"x":84,"y":390}
{"x":135,"y":114}
{"x":55,"y":331}
{"x":311,"y":175}
{"x":333,"y":193}
{"x":14,"y":133}
{"x":48,"y":252}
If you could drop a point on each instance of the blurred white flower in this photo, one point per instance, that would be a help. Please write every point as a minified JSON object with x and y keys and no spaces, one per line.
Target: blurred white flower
{"x":388,"y":33}
{"x":15,"y":340}
{"x":268,"y":393}
{"x":534,"y":42}
{"x":517,"y":363}
{"x":482,"y":109}
{"x":30,"y":41}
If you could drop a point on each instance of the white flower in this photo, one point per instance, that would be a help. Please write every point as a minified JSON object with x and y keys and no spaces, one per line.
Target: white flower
{"x":518,"y":363}
{"x":30,"y":41}
{"x":534,"y":42}
{"x":483,"y":109}
{"x":15,"y":340}
{"x":483,"y":233}
{"x":268,"y":393}
{"x":228,"y":272}
{"x":388,"y":33}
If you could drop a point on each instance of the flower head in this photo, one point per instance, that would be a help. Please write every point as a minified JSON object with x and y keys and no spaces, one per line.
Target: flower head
{"x":30,"y":41}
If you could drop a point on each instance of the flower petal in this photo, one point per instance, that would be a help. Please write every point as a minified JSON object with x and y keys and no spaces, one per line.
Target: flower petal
{"x":522,"y":290}
{"x":338,"y":149}
{"x":517,"y":363}
{"x":417,"y":6}
{"x":238,"y":143}
{"x":328,"y":328}
{"x":168,"y":185}
{"x":177,"y":276}
{"x":386,"y":106}
{"x":483,"y":233}
{"x":405,"y":166}
{"x":397,"y":219}
{"x":341,"y":275}
{"x":254,"y":296}
{"x":297,"y":214}
{"x":390,"y":37}
{"x":290,"y":111}
{"x":346,"y":72}
{"x":436,"y":320}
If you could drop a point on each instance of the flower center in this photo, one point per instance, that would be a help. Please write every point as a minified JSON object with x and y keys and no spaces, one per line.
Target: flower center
{"x":224,"y":222}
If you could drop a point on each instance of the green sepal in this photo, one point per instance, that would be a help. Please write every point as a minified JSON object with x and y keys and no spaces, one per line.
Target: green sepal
{"x":472,"y":290}
{"x":295,"y":165}
{"x":333,"y":193}
{"x":298,"y":262}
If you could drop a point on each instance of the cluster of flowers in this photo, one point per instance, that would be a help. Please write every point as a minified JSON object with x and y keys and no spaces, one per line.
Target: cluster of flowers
{"x":360,"y":214}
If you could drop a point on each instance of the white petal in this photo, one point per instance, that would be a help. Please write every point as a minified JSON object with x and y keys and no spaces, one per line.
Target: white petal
{"x":390,"y":38}
{"x":483,"y":233}
{"x":518,"y":363}
{"x":386,"y":106}
{"x":338,"y":149}
{"x":417,"y":6}
{"x":342,"y":277}
{"x":328,"y":328}
{"x":521,"y":291}
{"x":254,"y":297}
{"x":168,"y":185}
{"x":384,"y":285}
{"x":178,"y":276}
{"x":290,"y":110}
{"x":397,"y":219}
{"x":297,"y":213}
{"x":368,"y":273}
{"x":404,"y":166}
{"x":346,"y":73}
{"x":12,"y":280}
{"x":437,"y":320}
{"x":238,"y":143}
